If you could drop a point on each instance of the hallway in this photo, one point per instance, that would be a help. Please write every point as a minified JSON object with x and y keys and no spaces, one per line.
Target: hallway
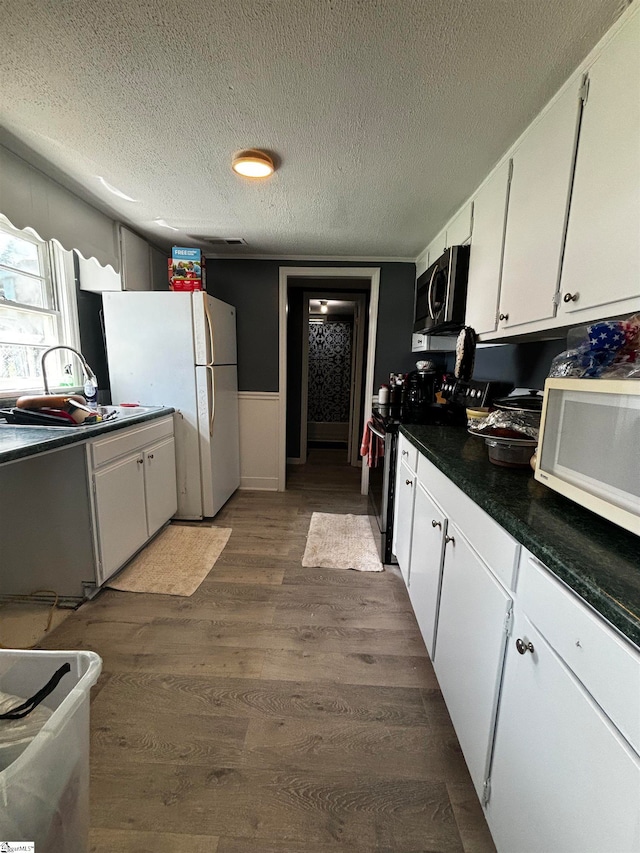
{"x":277,"y":710}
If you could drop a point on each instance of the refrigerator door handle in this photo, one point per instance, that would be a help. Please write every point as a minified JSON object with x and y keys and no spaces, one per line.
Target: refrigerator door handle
{"x":212,"y":400}
{"x":210,"y":330}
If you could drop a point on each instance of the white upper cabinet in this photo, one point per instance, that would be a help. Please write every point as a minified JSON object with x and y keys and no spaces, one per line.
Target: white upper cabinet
{"x":602,"y":256}
{"x":437,"y":246}
{"x":459,"y":229}
{"x":538,"y":200}
{"x":136,"y":263}
{"x":485,"y":261}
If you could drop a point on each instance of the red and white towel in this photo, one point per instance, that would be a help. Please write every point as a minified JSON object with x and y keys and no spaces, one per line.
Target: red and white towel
{"x":372,"y":447}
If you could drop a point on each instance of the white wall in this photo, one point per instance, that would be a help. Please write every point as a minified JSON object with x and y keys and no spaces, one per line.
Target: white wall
{"x":259,"y":418}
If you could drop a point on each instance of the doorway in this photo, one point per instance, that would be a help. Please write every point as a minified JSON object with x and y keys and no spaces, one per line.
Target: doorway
{"x":326,"y":365}
{"x":332,"y":372}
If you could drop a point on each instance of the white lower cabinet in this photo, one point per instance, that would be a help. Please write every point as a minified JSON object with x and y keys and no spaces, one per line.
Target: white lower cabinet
{"x":563,"y":779}
{"x":470,"y":644}
{"x":404,"y":497}
{"x":160,"y":484}
{"x":427,"y":542}
{"x":134,"y":492}
{"x":120,"y":512}
{"x":543,"y":694}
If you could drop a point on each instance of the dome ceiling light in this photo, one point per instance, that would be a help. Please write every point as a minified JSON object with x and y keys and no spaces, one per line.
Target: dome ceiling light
{"x":253,"y":163}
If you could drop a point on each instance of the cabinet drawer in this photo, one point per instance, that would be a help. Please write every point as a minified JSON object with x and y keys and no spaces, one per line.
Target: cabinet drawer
{"x":496,"y":547}
{"x":129,"y":440}
{"x":607,"y":665}
{"x":407,"y":453}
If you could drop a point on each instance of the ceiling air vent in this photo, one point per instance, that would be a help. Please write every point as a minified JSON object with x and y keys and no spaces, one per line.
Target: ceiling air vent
{"x":219,"y":241}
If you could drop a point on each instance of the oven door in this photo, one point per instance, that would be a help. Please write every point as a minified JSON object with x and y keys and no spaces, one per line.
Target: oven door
{"x":377,"y":487}
{"x":381,"y":496}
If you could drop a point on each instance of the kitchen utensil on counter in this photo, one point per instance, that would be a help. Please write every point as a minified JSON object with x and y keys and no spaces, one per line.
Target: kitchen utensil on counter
{"x":477,"y":416}
{"x":524,"y":401}
{"x":465,"y":354}
{"x":507,"y":452}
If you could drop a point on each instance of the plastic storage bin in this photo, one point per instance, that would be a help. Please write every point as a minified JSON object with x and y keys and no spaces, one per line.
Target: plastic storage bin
{"x":44,"y":793}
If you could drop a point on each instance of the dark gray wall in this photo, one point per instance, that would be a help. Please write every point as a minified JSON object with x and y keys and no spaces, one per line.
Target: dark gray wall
{"x":525,"y":365}
{"x":252,"y":286}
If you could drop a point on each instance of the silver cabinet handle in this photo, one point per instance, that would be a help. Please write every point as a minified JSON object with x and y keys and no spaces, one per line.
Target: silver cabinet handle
{"x":448,"y":539}
{"x":435,"y":523}
{"x":523,"y":647}
{"x":503,"y":317}
{"x":571,"y":297}
{"x":405,"y":452}
{"x":409,"y":482}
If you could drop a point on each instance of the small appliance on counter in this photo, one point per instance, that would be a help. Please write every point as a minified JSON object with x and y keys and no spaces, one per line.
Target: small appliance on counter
{"x":511,"y":430}
{"x":588,"y":448}
{"x":419,"y":393}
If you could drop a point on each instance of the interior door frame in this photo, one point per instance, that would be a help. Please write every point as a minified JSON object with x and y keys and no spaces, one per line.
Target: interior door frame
{"x":355,"y":370}
{"x":284,"y":274}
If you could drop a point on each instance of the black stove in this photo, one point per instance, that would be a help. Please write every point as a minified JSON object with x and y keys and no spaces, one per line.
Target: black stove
{"x":458,"y":396}
{"x":473,"y":394}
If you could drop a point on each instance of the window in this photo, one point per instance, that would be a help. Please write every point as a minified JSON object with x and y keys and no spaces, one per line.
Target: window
{"x":37,"y":310}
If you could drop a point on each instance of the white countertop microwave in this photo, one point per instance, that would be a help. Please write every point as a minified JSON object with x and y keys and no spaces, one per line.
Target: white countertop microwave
{"x":589,"y":447}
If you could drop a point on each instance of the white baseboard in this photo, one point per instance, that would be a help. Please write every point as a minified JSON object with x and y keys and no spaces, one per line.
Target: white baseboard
{"x":259,"y":484}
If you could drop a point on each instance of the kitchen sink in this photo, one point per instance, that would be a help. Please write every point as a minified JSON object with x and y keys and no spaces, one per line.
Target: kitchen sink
{"x":109,"y":413}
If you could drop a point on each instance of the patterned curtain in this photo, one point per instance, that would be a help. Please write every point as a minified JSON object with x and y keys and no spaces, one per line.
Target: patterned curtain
{"x":329,"y":371}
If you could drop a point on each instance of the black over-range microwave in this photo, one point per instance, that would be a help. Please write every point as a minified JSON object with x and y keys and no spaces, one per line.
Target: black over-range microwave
{"x":441,"y":293}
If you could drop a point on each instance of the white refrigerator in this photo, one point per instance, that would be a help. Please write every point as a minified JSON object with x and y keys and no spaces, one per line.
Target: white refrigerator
{"x":179,"y":349}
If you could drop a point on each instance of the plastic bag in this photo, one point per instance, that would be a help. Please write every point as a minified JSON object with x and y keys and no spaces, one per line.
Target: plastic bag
{"x":609,"y":349}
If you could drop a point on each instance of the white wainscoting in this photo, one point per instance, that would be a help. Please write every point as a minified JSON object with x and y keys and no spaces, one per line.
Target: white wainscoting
{"x":259,"y":421}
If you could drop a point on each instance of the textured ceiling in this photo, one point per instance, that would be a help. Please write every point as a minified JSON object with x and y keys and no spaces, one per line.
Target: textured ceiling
{"x":384,"y":114}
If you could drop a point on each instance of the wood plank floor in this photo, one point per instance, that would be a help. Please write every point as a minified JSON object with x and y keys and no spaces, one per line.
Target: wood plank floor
{"x":278,"y":709}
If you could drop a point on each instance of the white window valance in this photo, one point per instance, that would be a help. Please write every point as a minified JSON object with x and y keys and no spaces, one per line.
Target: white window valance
{"x":30,"y":199}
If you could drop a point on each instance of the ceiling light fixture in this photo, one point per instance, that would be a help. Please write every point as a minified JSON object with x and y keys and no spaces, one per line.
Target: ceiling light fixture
{"x":253,"y":163}
{"x":164,"y":224}
{"x":323,"y":306}
{"x":115,"y":190}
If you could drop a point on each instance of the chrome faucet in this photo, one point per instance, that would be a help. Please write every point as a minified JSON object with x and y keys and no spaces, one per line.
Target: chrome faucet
{"x":88,"y":373}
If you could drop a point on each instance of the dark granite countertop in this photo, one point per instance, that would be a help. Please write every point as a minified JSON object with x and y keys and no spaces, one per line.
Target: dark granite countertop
{"x":597,"y":559}
{"x":19,"y":442}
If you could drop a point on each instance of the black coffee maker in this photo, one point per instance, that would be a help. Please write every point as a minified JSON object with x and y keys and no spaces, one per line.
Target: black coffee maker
{"x":419,"y":396}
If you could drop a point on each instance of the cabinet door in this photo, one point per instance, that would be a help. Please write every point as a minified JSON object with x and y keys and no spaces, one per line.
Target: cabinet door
{"x":485,"y":260}
{"x":160,"y":484}
{"x":429,"y":528}
{"x":538,"y":199}
{"x":120,"y":512}
{"x":470,"y":647}
{"x":602,"y":256}
{"x":459,"y":229}
{"x":403,"y":519}
{"x":562,"y":777}
{"x":437,"y":246}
